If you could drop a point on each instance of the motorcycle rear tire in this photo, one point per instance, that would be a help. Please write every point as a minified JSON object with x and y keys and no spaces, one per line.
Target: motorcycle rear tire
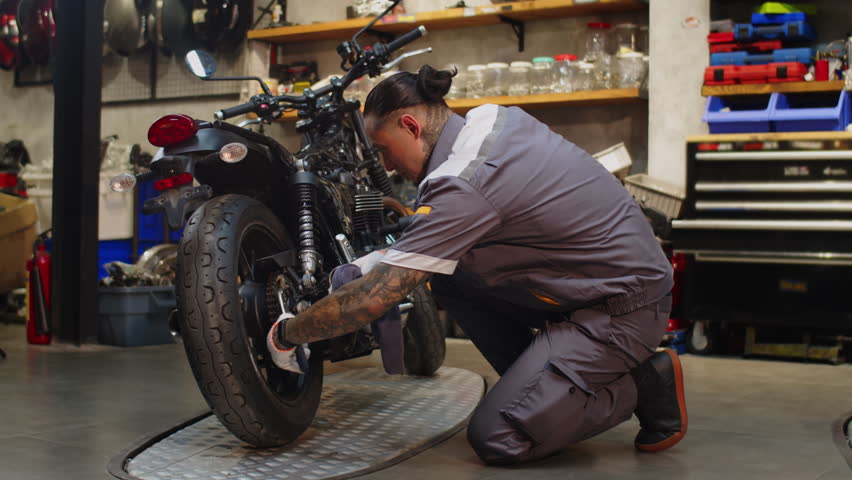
{"x":424,"y":335}
{"x":223,"y":355}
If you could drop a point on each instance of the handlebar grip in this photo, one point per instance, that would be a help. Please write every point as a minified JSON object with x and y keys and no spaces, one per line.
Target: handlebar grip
{"x":234,"y":111}
{"x":406,"y":39}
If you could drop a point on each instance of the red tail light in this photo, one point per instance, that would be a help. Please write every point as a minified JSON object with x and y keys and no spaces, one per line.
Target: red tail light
{"x":172,"y":182}
{"x":171,"y":129}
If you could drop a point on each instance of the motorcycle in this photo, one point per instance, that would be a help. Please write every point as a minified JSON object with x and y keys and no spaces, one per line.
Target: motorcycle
{"x":265,"y":228}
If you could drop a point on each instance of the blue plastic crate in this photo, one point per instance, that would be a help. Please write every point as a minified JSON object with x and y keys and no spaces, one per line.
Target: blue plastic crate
{"x":825,"y":111}
{"x":773,"y":18}
{"x":111,"y":251}
{"x":746,"y":114}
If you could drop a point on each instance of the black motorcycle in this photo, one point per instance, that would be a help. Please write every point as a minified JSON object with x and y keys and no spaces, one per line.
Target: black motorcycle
{"x":265,"y":227}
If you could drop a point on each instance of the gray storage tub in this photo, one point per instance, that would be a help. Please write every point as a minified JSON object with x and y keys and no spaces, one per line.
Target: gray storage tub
{"x":133,"y":316}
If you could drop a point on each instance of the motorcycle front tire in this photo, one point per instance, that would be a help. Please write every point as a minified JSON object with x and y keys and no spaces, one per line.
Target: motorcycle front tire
{"x":227,"y":361}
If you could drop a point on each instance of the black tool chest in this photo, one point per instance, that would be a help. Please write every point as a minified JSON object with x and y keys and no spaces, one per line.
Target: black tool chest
{"x":767,"y":226}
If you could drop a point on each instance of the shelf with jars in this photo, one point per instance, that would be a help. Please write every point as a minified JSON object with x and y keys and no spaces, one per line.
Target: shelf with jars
{"x":451,"y":18}
{"x":537,"y":101}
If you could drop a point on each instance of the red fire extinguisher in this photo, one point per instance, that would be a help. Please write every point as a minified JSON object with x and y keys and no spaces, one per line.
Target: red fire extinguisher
{"x":38,"y":303}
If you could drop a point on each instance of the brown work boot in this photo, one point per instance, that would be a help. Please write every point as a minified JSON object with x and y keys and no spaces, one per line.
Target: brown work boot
{"x":661,"y":405}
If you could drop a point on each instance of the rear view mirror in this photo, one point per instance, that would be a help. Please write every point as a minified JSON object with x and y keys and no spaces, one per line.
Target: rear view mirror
{"x":200,"y":63}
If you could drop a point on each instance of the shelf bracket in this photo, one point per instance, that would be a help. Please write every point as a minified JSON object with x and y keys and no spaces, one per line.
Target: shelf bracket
{"x":518,"y":27}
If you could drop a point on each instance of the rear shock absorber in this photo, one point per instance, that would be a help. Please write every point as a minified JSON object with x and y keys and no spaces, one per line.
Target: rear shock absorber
{"x":305,"y":184}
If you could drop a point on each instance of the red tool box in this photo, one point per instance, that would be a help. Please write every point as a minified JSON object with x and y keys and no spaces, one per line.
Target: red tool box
{"x":769,"y":73}
{"x":721,"y":37}
{"x":754,"y":47}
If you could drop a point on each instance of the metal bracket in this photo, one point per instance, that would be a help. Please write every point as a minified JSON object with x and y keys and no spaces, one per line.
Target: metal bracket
{"x":518,"y":27}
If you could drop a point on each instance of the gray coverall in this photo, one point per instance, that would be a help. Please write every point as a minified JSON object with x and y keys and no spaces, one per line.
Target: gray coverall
{"x":524,"y":229}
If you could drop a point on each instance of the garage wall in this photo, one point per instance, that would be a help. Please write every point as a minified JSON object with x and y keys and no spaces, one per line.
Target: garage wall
{"x":592,"y":128}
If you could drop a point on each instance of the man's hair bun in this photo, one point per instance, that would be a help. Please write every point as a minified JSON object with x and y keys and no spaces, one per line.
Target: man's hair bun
{"x":433,"y":84}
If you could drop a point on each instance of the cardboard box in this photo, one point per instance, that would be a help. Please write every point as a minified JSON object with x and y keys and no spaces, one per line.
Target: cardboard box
{"x":17,"y":233}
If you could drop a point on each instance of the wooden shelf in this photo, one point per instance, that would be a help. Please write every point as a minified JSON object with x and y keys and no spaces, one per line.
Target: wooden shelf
{"x":770,"y":137}
{"x":767,"y":88}
{"x":446,"y":19}
{"x":531,"y":102}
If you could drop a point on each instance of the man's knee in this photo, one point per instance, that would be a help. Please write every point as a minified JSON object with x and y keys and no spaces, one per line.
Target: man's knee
{"x":495,"y":441}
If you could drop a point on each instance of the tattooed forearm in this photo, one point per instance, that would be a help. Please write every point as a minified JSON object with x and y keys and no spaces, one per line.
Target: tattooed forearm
{"x":355,"y":304}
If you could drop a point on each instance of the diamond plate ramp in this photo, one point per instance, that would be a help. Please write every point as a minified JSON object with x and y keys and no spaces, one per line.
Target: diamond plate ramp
{"x":367,"y":421}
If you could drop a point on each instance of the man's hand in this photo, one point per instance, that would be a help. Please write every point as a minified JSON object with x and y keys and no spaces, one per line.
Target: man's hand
{"x":293,"y":358}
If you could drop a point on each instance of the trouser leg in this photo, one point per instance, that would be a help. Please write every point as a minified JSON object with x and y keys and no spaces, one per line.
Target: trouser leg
{"x":572,"y":383}
{"x":498,"y":329}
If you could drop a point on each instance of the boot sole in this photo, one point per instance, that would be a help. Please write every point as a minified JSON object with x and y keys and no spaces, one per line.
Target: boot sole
{"x":681,"y":402}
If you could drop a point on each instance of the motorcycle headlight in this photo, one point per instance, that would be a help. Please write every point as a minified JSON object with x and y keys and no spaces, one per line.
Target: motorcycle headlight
{"x":233,"y":152}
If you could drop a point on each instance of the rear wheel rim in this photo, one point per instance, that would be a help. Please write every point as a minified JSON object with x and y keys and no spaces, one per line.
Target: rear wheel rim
{"x":257,"y":242}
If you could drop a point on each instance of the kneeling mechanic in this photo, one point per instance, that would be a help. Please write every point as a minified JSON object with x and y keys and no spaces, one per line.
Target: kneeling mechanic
{"x":538,"y":253}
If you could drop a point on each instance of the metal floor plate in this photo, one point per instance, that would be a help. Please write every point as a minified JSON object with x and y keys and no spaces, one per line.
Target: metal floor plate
{"x":367,"y":420}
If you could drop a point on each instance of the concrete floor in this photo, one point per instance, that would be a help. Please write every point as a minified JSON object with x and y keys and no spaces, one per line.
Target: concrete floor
{"x":66,"y":411}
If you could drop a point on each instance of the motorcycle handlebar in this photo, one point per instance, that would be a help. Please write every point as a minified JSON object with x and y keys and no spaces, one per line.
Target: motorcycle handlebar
{"x":234,"y":111}
{"x":359,"y":69}
{"x":406,"y":39}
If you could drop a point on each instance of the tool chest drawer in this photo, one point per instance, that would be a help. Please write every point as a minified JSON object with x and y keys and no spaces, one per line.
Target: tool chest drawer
{"x":786,"y":193}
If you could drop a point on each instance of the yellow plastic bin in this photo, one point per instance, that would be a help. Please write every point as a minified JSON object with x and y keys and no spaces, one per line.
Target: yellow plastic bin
{"x":17,"y":233}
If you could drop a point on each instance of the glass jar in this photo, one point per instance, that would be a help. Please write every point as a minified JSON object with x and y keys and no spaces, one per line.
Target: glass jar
{"x":605,"y":73}
{"x":627,"y":37}
{"x":597,"y":41}
{"x":631,"y":69}
{"x":565,"y":73}
{"x":541,"y":75}
{"x":475,"y":81}
{"x":496,"y":79}
{"x":519,"y":78}
{"x":585,"y":79}
{"x":457,"y":88}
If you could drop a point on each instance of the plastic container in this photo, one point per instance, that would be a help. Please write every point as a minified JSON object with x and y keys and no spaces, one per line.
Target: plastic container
{"x":660,"y":195}
{"x":541,"y":75}
{"x":565,"y":73}
{"x":811,"y":112}
{"x":496,"y":79}
{"x":519,"y":78}
{"x":115,"y":209}
{"x":133,"y":316}
{"x":771,"y":18}
{"x":739,"y":114}
{"x":475,"y":81}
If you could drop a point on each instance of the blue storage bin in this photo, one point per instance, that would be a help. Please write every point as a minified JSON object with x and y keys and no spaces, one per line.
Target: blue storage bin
{"x":772,"y":18}
{"x":739,"y":114}
{"x":807,"y":112}
{"x":111,"y":251}
{"x":152,"y":228}
{"x":744,"y":32}
{"x":132,"y":316}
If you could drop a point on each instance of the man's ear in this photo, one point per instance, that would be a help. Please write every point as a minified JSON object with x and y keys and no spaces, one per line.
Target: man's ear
{"x":410,"y":123}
